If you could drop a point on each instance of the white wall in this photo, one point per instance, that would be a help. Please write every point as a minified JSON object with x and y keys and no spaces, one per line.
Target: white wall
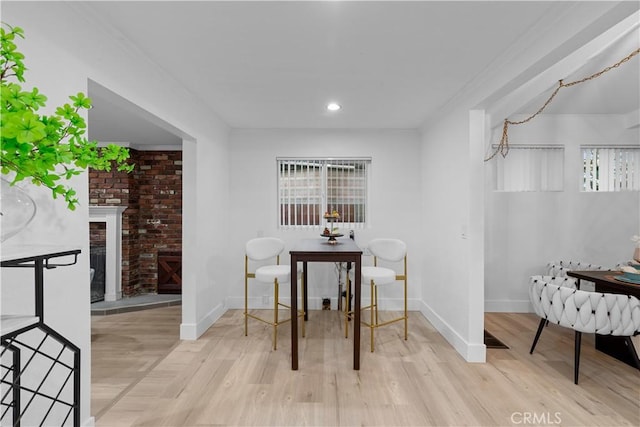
{"x":395,"y":208}
{"x":452,"y":289}
{"x":54,"y":224}
{"x":205,"y":238}
{"x":527,"y":230}
{"x":63,"y":50}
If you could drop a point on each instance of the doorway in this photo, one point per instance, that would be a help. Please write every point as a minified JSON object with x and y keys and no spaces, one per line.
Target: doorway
{"x":151,"y":194}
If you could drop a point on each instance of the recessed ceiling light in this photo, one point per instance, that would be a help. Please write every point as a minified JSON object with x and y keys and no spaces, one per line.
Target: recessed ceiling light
{"x":333,"y":106}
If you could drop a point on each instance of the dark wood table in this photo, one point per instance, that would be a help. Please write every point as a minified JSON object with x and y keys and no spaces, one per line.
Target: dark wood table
{"x":605,"y":282}
{"x":320,"y":250}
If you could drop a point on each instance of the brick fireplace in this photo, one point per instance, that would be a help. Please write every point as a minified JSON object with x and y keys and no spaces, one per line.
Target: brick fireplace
{"x":152,"y":220}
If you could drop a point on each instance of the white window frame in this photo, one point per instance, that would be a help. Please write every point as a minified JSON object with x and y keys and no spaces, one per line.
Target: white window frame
{"x":610,"y":168}
{"x":316,"y":195}
{"x":530,"y":168}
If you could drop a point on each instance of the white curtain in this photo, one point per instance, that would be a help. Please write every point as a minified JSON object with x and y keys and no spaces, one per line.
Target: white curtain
{"x":530,"y":169}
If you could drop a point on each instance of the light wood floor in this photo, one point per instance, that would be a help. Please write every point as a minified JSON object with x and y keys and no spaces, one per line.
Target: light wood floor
{"x":143,"y":375}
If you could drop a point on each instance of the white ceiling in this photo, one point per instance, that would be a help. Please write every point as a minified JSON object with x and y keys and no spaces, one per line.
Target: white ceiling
{"x":389,"y":64}
{"x":615,"y":92}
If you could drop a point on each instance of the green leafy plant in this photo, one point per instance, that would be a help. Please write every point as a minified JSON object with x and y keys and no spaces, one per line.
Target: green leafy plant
{"x":45,"y":148}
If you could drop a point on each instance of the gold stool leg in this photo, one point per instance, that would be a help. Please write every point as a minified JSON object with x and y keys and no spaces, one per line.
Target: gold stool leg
{"x":246,"y":288}
{"x":374,"y":307}
{"x":406,"y":318}
{"x":275,"y":315}
{"x":375,"y":289}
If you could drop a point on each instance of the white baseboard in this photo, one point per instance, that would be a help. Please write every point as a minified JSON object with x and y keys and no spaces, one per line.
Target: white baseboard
{"x":89,"y":422}
{"x":475,"y":353}
{"x":192,"y":331}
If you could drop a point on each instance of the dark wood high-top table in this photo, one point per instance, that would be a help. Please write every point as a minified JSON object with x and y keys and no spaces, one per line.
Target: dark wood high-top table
{"x":605,"y":282}
{"x":320,"y":250}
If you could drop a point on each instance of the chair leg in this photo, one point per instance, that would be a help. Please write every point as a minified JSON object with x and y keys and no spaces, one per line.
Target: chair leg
{"x":375,"y":298}
{"x":275,"y":315}
{"x":406,"y":317}
{"x":374,"y":311}
{"x":535,"y":340}
{"x":632,"y":350}
{"x":577,"y":357}
{"x":246,"y":311}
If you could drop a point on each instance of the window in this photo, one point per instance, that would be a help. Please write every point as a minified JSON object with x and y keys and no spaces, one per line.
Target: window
{"x":611,"y":168}
{"x":530,"y":168}
{"x":307,"y":188}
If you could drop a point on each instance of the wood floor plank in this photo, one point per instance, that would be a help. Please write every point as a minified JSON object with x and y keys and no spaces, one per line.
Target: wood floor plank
{"x":143,"y":375}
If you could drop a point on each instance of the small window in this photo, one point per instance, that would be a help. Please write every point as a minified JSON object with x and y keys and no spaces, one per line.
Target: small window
{"x":611,"y":168}
{"x":307,"y":188}
{"x":530,"y":168}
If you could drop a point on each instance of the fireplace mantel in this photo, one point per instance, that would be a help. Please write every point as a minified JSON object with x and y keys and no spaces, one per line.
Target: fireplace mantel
{"x":112,"y":216}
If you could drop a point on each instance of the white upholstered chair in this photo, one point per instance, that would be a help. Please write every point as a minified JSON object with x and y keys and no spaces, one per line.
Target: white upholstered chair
{"x":584,"y":311}
{"x":260,"y":250}
{"x":560,"y":268}
{"x":390,"y":252}
{"x":563,"y":281}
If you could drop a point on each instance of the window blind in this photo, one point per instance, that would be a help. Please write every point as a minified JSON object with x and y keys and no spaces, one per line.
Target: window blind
{"x":611,"y":168}
{"x":307,"y":188}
